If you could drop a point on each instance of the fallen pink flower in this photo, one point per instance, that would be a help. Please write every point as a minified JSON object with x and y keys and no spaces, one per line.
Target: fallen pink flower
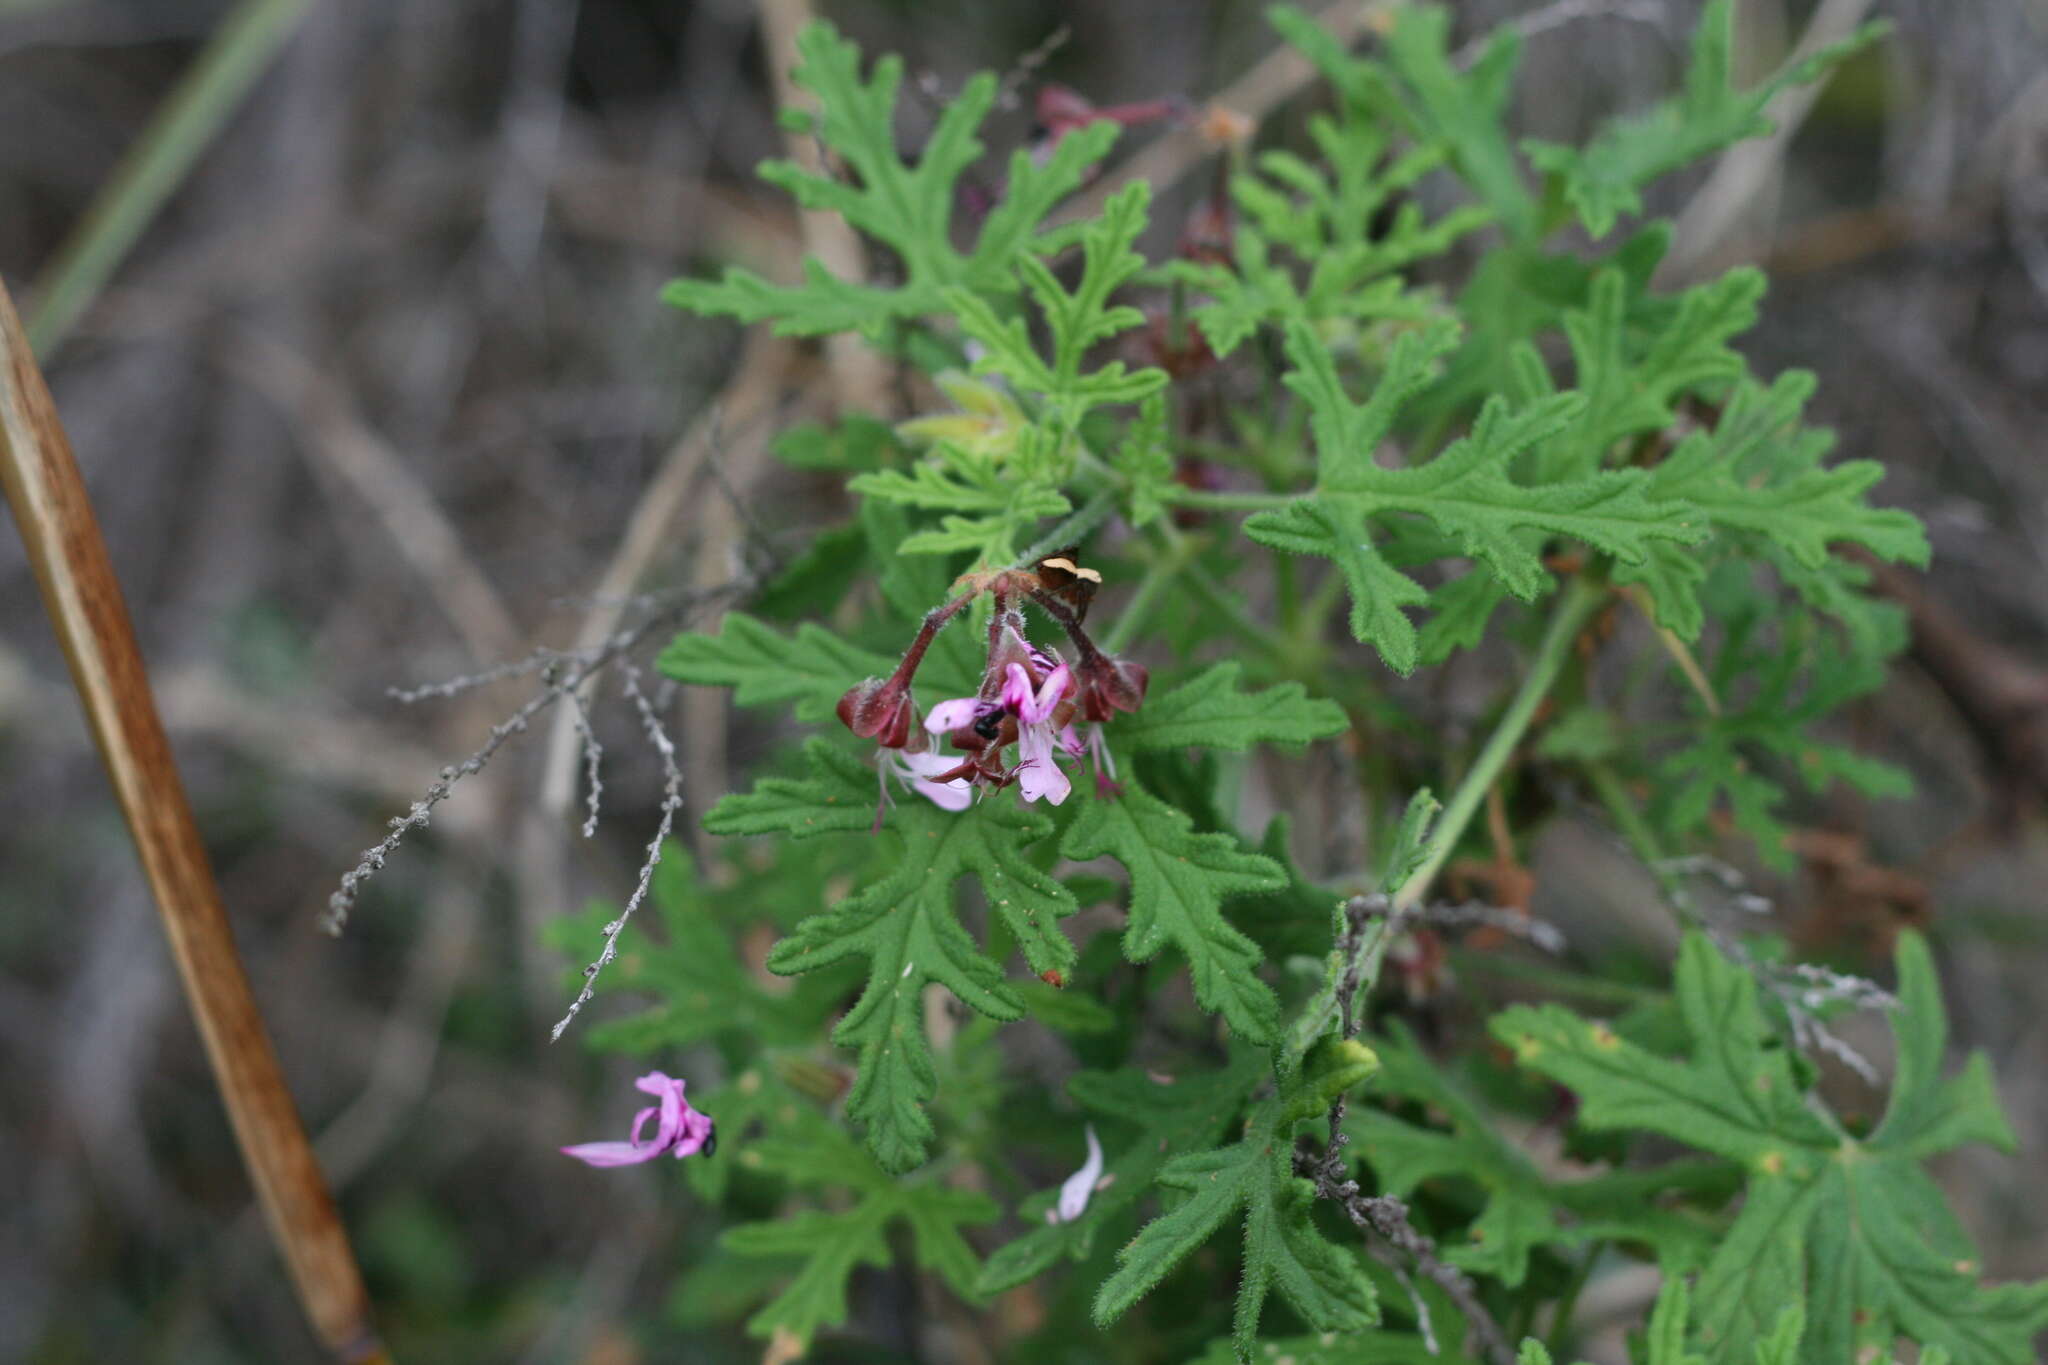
{"x":679,"y":1132}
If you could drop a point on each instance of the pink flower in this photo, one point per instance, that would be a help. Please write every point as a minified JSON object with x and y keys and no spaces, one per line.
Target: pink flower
{"x":918,"y":771}
{"x":680,"y":1132}
{"x":1034,"y":708}
{"x":1037,"y":774}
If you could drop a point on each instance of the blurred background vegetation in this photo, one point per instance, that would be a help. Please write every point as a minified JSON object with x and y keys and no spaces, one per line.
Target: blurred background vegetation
{"x":374,"y":399}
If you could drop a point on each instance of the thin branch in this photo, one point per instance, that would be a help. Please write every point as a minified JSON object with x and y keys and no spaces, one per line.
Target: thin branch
{"x":747,"y":400}
{"x":538,"y":661}
{"x":580,"y":667}
{"x":1387,"y":1217}
{"x":671,"y":801}
{"x":593,"y":757}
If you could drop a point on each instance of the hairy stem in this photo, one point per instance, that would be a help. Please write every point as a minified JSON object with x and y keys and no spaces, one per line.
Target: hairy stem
{"x":1159,"y":575}
{"x":1071,"y":531}
{"x":1229,"y":502}
{"x":1581,"y":598}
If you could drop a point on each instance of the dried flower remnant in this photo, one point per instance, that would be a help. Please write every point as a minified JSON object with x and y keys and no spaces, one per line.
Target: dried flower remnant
{"x":679,"y":1130}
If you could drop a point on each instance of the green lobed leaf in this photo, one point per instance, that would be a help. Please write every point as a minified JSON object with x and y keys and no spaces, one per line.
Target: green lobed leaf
{"x":1283,"y":1248}
{"x":1757,"y":476}
{"x":1790,"y":674}
{"x":1178,"y":881}
{"x":1602,"y":180}
{"x":812,"y":668}
{"x":1171,"y":1116}
{"x":1211,"y":711}
{"x":701,"y":991}
{"x":1335,"y":225}
{"x":906,"y":204}
{"x":1632,"y":377}
{"x":1379,"y":592}
{"x":1144,"y":458}
{"x":1852,"y":1228}
{"x":1466,"y":491}
{"x":905,"y":927}
{"x":1524,"y":1209}
{"x":832,"y":1244}
{"x":1461,"y":110}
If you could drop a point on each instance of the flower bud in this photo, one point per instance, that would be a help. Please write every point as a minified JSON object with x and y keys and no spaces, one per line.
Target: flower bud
{"x":881,"y":710}
{"x":1109,"y":684}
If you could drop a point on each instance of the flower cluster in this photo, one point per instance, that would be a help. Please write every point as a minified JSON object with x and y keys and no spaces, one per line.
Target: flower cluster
{"x":1030,"y":697}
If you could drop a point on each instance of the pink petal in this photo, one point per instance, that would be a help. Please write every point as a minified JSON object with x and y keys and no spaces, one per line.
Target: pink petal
{"x":949,"y":716}
{"x":680,"y":1129}
{"x":1058,"y":683}
{"x":696,"y":1132}
{"x":953,"y":795}
{"x":612,"y":1153}
{"x":1071,"y":742}
{"x":1017,"y":689}
{"x":673,"y":1107}
{"x":928,"y":764}
{"x":1038,"y":776}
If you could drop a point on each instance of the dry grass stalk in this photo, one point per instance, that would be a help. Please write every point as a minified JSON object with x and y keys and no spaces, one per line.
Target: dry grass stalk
{"x":64,"y":544}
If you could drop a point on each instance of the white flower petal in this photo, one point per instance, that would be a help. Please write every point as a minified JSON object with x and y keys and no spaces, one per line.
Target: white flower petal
{"x":1080,"y":1186}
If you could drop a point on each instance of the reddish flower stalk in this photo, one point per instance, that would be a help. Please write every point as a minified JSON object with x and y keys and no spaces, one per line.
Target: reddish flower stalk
{"x":881,"y":708}
{"x":1105,"y":683}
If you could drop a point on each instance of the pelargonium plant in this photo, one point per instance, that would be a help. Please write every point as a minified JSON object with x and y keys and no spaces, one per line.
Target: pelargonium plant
{"x":1398,"y":458}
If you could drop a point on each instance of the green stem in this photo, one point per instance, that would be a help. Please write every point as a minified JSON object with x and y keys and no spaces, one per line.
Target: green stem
{"x":1561,"y":1320}
{"x":206,"y":96}
{"x":1238,"y":502}
{"x":1170,"y":560}
{"x":1581,"y":598}
{"x":1233,"y":611}
{"x":1073,"y":530}
{"x":1628,"y":819}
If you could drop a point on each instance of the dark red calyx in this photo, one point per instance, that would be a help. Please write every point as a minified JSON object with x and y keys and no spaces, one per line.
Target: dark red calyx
{"x":881,"y":710}
{"x":1108,"y":684}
